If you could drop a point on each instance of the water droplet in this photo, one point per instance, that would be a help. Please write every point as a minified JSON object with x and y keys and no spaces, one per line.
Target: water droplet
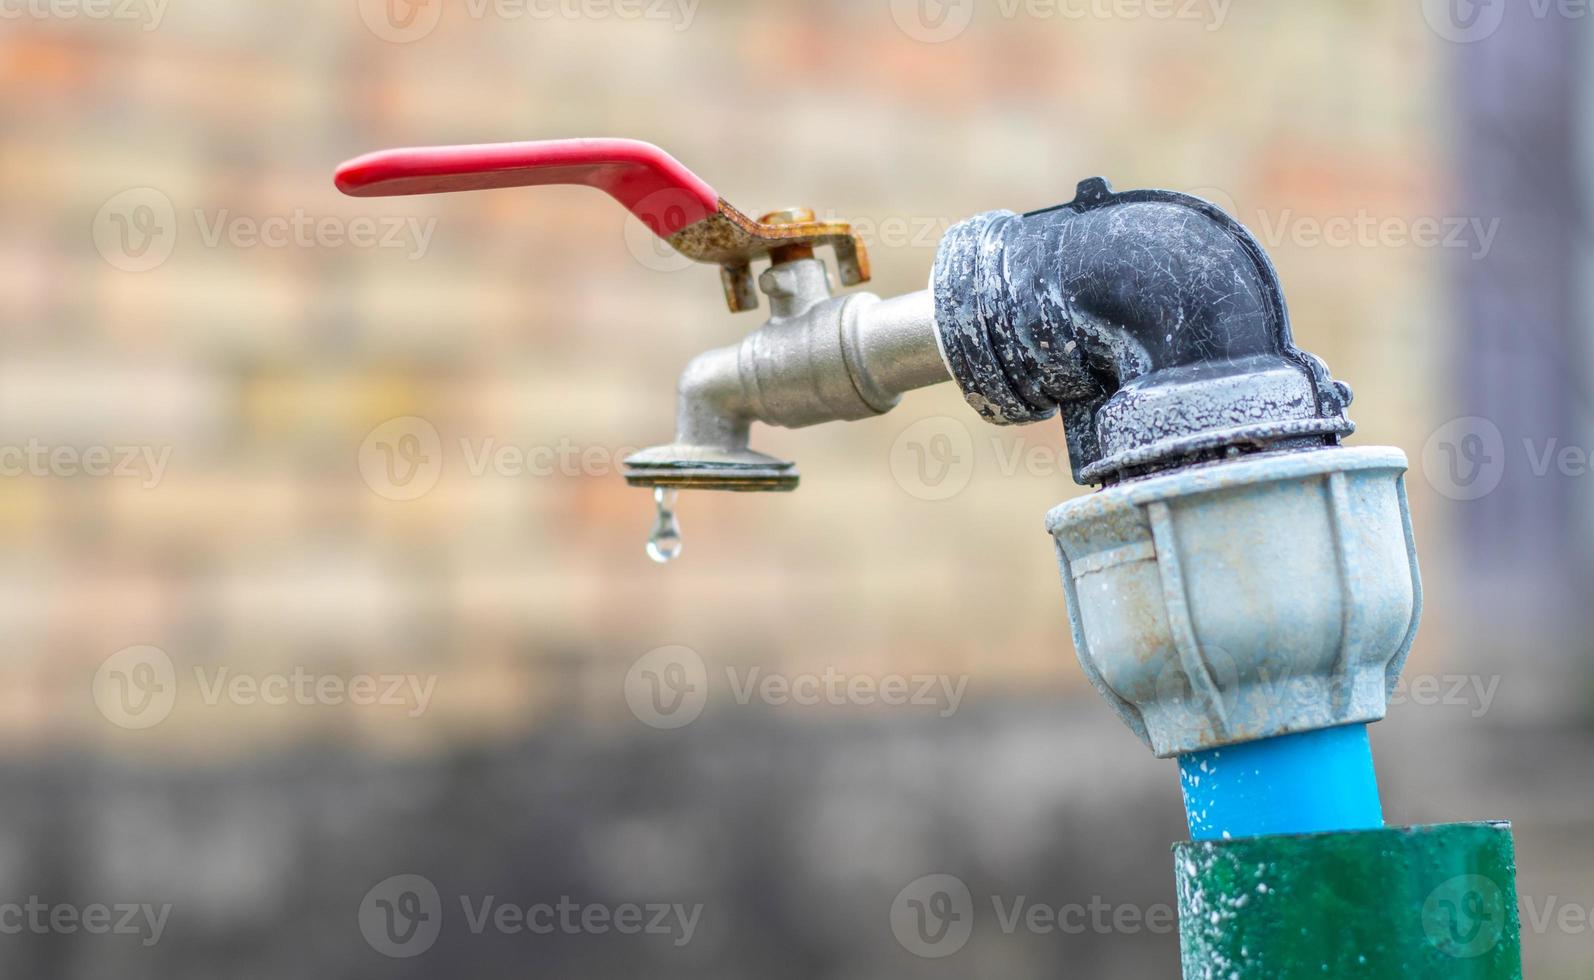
{"x":664,"y":544}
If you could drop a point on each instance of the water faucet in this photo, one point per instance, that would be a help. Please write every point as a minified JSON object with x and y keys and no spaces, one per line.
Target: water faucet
{"x":818,"y":358}
{"x":1154,"y":324}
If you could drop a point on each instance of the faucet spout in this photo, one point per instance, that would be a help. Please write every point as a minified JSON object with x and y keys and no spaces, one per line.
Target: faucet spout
{"x":818,"y":359}
{"x":712,"y":404}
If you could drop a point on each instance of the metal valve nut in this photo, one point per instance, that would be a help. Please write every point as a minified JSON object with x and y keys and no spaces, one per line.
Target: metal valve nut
{"x":1237,"y":601}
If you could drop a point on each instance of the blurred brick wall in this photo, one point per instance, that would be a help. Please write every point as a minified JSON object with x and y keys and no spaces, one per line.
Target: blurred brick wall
{"x":543,"y":320}
{"x":141,"y":159}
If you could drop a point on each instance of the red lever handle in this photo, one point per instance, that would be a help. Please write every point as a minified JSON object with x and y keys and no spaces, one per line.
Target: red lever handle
{"x":671,"y":200}
{"x":651,"y":184}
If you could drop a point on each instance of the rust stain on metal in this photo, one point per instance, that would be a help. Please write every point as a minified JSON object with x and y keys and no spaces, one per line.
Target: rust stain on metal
{"x":732,"y":240}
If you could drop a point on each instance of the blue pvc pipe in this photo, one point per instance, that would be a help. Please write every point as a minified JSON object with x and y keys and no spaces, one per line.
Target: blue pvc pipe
{"x":1292,"y":784}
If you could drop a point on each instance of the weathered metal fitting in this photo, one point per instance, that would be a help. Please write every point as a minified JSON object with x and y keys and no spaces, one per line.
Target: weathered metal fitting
{"x":1152,"y":319}
{"x":819,"y":358}
{"x":802,"y":367}
{"x":1263,"y":596}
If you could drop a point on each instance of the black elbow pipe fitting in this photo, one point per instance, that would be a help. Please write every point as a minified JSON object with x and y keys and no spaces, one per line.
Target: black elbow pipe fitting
{"x":1152,"y":319}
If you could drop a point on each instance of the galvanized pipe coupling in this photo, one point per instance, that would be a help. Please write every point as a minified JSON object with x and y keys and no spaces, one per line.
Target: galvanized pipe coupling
{"x":1242,"y":575}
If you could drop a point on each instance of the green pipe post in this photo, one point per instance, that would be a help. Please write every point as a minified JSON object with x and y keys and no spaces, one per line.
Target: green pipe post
{"x":1413,"y":903}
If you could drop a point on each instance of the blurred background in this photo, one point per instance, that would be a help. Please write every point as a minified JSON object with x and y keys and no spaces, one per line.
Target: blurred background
{"x":330,"y":643}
